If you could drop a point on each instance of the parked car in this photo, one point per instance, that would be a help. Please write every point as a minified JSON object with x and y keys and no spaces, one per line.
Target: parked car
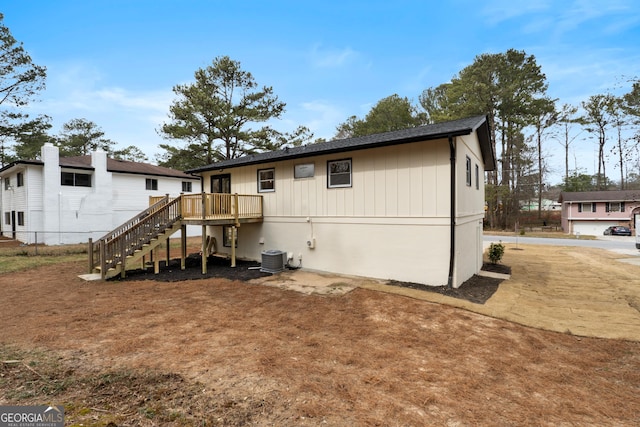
{"x":617,"y":230}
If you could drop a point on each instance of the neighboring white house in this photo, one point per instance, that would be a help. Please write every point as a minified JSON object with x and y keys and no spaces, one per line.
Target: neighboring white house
{"x":72,"y":199}
{"x":405,"y":205}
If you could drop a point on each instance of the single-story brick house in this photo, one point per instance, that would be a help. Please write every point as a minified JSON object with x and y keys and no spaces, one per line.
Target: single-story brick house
{"x":405,"y":205}
{"x":72,"y":199}
{"x":591,"y":212}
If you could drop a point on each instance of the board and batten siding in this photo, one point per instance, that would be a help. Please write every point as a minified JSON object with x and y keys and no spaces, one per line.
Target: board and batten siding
{"x":401,"y":181}
{"x":392,"y":223}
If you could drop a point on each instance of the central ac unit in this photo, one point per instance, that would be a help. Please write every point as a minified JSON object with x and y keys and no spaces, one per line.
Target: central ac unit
{"x":273,"y":261}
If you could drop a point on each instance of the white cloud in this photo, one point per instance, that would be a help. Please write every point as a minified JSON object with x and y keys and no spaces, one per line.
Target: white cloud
{"x":322,"y":57}
{"x":498,"y":11}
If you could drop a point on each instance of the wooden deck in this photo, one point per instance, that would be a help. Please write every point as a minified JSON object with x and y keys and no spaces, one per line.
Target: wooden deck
{"x":217,"y":208}
{"x":127,"y":245}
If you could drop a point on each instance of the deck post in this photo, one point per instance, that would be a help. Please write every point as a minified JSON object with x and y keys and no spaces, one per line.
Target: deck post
{"x":156,"y":263}
{"x":123,"y":259}
{"x":234,"y":233}
{"x":168,"y":250}
{"x":204,"y":248}
{"x":236,"y":210}
{"x":183,"y":246}
{"x":103,"y":263}
{"x":90,"y":249}
{"x":204,"y":234}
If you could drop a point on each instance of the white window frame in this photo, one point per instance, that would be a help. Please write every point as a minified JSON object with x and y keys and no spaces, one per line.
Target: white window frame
{"x":264,"y":181}
{"x":331,"y":174}
{"x":187,"y":186}
{"x":151,"y":184}
{"x":591,"y":205}
{"x":615,"y":207}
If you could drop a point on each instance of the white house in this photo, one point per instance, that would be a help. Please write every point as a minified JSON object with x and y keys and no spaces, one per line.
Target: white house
{"x":59,"y":200}
{"x":405,"y":205}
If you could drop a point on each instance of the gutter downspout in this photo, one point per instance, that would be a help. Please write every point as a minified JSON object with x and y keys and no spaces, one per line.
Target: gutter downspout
{"x":452,"y":230}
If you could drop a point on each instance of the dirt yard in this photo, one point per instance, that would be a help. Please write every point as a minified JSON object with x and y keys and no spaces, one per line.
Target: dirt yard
{"x":233,"y":353}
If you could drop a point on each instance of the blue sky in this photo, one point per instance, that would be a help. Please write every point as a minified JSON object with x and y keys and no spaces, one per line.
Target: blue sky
{"x":115,"y":62}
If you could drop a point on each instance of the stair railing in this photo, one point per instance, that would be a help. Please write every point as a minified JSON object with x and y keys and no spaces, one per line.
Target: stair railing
{"x":115,"y":246}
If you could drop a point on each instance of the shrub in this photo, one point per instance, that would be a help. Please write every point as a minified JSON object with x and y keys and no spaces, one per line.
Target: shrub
{"x":496,"y":251}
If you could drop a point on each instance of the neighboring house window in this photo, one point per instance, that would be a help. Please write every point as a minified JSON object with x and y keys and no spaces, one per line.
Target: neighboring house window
{"x":477,"y":177}
{"x":468,"y":172}
{"x":304,"y":170}
{"x":186,"y":187}
{"x":339,"y":173}
{"x":151,"y":184}
{"x":614,"y":207}
{"x":586,"y":207}
{"x":7,"y":218}
{"x":266,"y":180}
{"x":7,"y":183}
{"x":20,"y":218}
{"x":20,"y":179}
{"x":75,"y":179}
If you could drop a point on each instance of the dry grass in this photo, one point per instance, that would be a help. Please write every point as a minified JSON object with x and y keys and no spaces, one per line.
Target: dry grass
{"x":15,"y":257}
{"x":215,"y":352}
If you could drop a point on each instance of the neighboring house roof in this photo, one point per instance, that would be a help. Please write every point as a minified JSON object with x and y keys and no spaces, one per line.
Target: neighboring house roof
{"x":600,"y":196}
{"x":113,"y":165}
{"x":421,"y":133}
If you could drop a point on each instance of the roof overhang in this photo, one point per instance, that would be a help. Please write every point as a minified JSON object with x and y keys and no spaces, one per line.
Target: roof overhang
{"x":478,"y":124}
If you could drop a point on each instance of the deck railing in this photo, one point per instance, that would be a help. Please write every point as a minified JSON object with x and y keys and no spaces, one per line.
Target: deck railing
{"x":218,"y":206}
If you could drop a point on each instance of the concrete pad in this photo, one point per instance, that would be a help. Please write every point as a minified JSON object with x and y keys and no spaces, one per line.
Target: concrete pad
{"x":310,"y":282}
{"x":90,"y":277}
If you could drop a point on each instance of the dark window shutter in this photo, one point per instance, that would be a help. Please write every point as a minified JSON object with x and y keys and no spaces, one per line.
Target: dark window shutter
{"x":607,"y":207}
{"x":579,"y":207}
{"x":593,"y":207}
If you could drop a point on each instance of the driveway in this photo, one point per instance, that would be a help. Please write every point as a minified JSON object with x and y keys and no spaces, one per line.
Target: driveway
{"x":583,"y":291}
{"x":621,"y":244}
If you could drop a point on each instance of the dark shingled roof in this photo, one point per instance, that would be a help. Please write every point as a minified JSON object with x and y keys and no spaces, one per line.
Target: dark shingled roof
{"x":124,"y":166}
{"x":600,"y":196}
{"x":420,"y":133}
{"x":113,"y":165}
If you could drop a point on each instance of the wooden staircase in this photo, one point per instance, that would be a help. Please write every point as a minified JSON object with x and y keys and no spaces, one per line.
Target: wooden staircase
{"x":124,"y":248}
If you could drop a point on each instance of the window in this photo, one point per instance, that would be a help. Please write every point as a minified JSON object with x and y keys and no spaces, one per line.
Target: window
{"x":586,"y":207}
{"x":339,"y":173}
{"x":20,"y":218}
{"x":305,"y":170}
{"x":151,"y":184}
{"x":186,"y":187}
{"x":468,"y":172}
{"x":75,"y":179}
{"x":477,"y":177}
{"x":7,"y":218}
{"x":227,"y":236}
{"x":20,"y":179}
{"x":7,"y":183}
{"x":614,"y":207}
{"x":266,"y":180}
